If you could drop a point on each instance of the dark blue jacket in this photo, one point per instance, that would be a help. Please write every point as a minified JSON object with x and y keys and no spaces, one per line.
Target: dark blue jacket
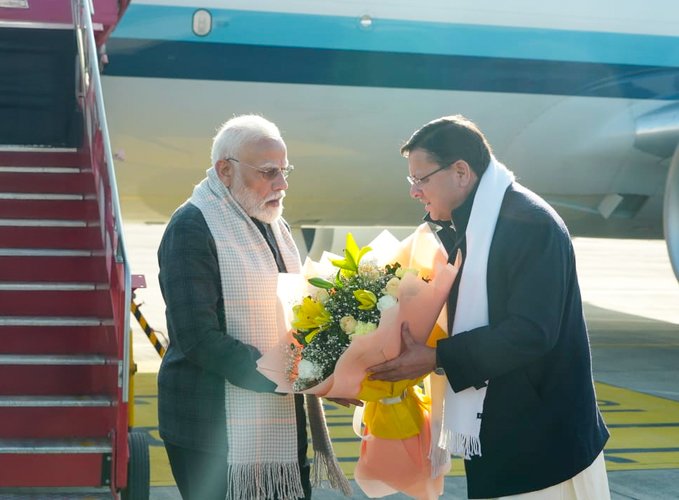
{"x":540,"y":424}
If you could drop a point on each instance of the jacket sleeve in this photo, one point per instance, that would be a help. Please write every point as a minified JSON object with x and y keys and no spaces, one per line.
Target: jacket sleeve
{"x":191,"y":286}
{"x":536,"y":268}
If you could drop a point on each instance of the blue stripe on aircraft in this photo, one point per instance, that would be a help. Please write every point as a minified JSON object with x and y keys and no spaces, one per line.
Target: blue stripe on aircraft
{"x":260,"y":63}
{"x":174,"y":24}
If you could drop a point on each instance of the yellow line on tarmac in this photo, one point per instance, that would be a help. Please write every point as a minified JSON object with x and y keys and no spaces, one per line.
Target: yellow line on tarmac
{"x":644,"y":430}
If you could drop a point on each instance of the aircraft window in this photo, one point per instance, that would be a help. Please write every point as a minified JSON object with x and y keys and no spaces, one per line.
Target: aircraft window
{"x":202,"y":22}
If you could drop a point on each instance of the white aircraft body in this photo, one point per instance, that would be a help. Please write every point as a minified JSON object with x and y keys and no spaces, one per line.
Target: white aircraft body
{"x":579,"y":99}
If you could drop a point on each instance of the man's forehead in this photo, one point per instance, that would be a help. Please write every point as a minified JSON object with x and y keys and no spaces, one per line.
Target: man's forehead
{"x":265,"y":146}
{"x":420,"y":157}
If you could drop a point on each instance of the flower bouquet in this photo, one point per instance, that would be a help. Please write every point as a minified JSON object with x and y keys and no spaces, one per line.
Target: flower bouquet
{"x":349,"y":319}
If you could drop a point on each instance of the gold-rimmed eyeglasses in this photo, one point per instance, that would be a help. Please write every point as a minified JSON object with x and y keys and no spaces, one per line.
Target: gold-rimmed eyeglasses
{"x":269,"y":171}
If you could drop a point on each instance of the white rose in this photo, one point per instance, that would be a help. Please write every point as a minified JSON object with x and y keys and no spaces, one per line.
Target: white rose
{"x":348,"y":324}
{"x":402,"y":271}
{"x":363,"y":328}
{"x":391,"y":288}
{"x":322,"y":296}
{"x":385,"y":302}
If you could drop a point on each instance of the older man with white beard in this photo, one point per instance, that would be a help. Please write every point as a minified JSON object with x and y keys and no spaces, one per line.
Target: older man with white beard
{"x":226,"y":434}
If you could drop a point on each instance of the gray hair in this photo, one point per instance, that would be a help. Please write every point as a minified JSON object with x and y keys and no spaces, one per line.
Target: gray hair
{"x":241,"y":130}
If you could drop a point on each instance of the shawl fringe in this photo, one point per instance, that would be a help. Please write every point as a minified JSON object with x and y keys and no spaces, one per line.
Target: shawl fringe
{"x":264,"y":481}
{"x":325,"y":466}
{"x":462,"y":445}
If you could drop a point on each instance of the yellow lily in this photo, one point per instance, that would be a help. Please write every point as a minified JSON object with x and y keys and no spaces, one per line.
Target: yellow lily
{"x":310,"y":316}
{"x":366,"y":298}
{"x":352,"y":257}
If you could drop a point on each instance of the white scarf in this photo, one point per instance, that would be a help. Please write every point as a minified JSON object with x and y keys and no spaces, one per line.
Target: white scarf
{"x":463,"y":410}
{"x":261,"y":427}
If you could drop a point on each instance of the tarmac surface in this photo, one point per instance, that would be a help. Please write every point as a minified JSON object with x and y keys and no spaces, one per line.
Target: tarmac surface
{"x":632,"y":307}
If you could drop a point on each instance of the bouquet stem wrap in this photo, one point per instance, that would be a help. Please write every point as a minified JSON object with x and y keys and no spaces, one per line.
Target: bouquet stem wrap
{"x":396,"y":438}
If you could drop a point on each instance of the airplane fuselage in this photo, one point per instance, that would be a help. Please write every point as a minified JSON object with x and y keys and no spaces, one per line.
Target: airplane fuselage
{"x":559,"y":90}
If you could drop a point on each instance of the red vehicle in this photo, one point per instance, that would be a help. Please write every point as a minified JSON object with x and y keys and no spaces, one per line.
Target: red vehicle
{"x":64,"y":277}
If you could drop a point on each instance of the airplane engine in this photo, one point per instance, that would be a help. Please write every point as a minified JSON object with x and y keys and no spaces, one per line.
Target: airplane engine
{"x":671,"y":212}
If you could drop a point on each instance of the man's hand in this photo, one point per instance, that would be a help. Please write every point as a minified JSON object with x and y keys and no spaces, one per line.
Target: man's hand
{"x":346,"y":402}
{"x":414,"y":361}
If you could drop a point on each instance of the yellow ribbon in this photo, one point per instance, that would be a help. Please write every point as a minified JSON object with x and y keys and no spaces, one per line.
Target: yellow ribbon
{"x":395,"y":410}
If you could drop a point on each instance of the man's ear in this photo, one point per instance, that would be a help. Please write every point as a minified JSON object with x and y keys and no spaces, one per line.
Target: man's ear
{"x":224,"y":171}
{"x":464,"y":173}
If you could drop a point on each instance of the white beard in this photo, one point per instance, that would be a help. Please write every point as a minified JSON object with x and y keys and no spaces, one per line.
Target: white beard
{"x":254,"y":207}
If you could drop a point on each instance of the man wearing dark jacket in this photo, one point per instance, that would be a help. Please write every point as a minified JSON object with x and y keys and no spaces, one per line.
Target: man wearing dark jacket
{"x":520,"y":405}
{"x":225,"y":432}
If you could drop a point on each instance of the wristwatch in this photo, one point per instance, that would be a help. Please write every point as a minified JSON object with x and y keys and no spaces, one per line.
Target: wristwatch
{"x":438,"y":369}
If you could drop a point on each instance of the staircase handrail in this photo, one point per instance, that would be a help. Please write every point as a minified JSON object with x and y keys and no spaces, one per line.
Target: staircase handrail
{"x":90,"y":77}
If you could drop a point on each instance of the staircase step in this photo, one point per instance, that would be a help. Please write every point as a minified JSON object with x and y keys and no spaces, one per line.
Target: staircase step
{"x":58,"y":340}
{"x":54,"y":464}
{"x":50,"y":285}
{"x":29,"y":446}
{"x":58,"y":265}
{"x":26,"y":169}
{"x":18,"y":205}
{"x":56,"y":493}
{"x":78,"y":238}
{"x":54,"y":401}
{"x":19,"y":299}
{"x":45,"y":223}
{"x":46,"y":196}
{"x":49,"y":181}
{"x":25,"y":375}
{"x":60,"y":359}
{"x":18,"y":156}
{"x":58,"y":416}
{"x":47,"y":321}
{"x":43,"y":446}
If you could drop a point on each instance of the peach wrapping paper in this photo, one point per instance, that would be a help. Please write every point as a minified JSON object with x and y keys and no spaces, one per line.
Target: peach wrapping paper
{"x":385,"y":465}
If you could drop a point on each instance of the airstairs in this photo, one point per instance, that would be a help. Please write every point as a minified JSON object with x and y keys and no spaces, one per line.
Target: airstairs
{"x":64,"y":277}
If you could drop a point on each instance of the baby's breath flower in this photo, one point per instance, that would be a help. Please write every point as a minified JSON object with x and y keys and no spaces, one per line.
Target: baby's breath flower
{"x":368,"y":269}
{"x":307,"y":370}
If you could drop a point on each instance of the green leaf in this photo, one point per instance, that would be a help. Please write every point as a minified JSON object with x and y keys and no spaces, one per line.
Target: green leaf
{"x":321,"y":283}
{"x":300,"y":338}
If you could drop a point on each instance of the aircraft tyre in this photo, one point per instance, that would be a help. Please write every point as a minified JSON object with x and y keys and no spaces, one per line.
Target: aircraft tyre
{"x":138,"y":468}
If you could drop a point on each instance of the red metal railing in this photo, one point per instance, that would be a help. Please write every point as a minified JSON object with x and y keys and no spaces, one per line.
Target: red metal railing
{"x":98,"y":145}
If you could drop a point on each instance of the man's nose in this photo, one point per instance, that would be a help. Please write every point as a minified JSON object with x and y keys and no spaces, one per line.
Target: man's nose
{"x":280,"y":183}
{"x":415,"y":192}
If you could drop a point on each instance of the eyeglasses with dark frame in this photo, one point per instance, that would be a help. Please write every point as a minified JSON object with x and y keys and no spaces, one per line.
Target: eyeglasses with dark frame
{"x":414,"y":181}
{"x":267,"y":173}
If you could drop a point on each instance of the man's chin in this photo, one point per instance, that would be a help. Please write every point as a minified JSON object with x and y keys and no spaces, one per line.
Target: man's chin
{"x":438,"y":216}
{"x":269,"y":215}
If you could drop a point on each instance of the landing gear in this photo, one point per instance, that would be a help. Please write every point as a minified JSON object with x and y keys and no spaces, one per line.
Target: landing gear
{"x":138,"y":468}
